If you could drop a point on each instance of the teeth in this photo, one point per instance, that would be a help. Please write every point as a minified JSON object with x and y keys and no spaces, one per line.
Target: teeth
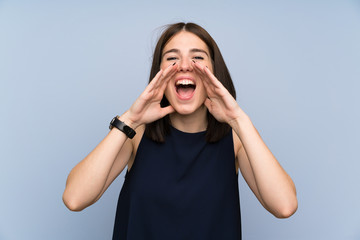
{"x":184,"y":82}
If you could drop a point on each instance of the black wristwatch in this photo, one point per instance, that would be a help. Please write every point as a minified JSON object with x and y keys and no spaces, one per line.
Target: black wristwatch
{"x":115,"y":122}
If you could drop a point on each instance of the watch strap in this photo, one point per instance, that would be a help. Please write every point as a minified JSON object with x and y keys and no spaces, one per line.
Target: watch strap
{"x":115,"y":122}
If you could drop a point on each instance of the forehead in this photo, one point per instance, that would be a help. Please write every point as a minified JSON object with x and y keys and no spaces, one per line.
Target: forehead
{"x":185,"y":41}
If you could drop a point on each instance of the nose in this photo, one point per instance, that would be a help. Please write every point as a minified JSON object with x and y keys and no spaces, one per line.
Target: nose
{"x":185,"y":65}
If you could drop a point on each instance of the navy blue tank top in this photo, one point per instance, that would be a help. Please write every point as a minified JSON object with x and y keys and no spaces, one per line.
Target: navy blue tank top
{"x":182,"y":189}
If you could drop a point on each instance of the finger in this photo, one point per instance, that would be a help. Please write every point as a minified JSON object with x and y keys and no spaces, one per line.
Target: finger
{"x":204,"y":79}
{"x":200,"y":70}
{"x":164,"y":85}
{"x":206,"y":83}
{"x":209,"y":89}
{"x":166,"y":74}
{"x":159,"y":75}
{"x":212,"y":78}
{"x":170,"y":71}
{"x":155,"y":79}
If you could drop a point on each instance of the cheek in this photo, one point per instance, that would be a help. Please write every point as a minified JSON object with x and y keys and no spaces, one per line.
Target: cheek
{"x":167,"y":92}
{"x":165,"y":64}
{"x":162,"y":66}
{"x":202,"y":90}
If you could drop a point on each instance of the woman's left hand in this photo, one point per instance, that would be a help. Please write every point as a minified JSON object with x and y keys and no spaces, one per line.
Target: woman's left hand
{"x":265,"y":176}
{"x":220,"y":103}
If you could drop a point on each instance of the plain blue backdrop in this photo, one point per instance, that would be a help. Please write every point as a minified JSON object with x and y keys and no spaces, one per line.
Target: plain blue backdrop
{"x":67,"y":67}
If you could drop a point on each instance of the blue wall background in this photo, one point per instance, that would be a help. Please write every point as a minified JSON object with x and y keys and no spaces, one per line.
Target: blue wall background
{"x":64,"y":65}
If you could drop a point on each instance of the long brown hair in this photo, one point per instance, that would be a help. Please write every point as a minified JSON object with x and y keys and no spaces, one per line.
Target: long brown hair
{"x":158,"y":130}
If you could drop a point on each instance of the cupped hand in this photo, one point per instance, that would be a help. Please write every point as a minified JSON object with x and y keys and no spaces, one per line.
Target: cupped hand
{"x":220,"y":103}
{"x":147,"y":107}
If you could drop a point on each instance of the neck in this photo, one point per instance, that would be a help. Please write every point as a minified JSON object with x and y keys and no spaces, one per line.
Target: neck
{"x":191,"y":123}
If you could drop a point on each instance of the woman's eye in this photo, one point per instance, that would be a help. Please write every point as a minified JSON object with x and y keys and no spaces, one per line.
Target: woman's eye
{"x":171,"y":58}
{"x":199,"y":58}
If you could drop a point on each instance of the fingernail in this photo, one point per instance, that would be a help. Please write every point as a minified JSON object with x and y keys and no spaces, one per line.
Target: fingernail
{"x":193,"y":61}
{"x":174,"y":63}
{"x":206,"y":66}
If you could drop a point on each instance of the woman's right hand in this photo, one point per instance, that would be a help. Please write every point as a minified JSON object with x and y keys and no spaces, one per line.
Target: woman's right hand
{"x":147,"y":107}
{"x":103,"y":164}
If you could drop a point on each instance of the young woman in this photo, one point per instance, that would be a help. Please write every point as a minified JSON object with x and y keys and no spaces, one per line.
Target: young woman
{"x":191,"y":139}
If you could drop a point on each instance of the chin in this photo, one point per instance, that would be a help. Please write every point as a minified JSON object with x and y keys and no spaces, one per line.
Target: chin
{"x":188,"y":110}
{"x":184,"y":111}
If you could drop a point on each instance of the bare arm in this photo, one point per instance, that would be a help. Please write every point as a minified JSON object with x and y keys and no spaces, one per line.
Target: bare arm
{"x":263,"y":173}
{"x":89,"y":179}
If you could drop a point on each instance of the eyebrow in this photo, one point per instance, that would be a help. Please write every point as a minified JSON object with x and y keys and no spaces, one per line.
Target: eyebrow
{"x":193,"y":50}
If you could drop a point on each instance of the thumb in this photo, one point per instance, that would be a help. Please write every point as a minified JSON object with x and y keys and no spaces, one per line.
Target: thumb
{"x":208,"y":104}
{"x":167,"y":110}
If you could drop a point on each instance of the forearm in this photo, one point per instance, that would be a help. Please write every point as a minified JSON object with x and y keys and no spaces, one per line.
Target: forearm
{"x":275,"y":187}
{"x":87,"y":179}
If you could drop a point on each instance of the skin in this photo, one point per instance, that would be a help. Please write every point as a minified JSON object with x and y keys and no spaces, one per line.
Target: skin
{"x":272,"y":186}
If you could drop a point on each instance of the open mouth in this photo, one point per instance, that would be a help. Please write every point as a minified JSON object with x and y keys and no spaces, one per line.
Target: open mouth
{"x":185,"y":88}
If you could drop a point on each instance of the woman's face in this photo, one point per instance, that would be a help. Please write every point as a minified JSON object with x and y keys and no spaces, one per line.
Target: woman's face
{"x":185,"y":91}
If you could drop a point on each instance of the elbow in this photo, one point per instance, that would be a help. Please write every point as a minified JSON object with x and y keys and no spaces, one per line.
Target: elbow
{"x":72,"y":203}
{"x":287,"y":209}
